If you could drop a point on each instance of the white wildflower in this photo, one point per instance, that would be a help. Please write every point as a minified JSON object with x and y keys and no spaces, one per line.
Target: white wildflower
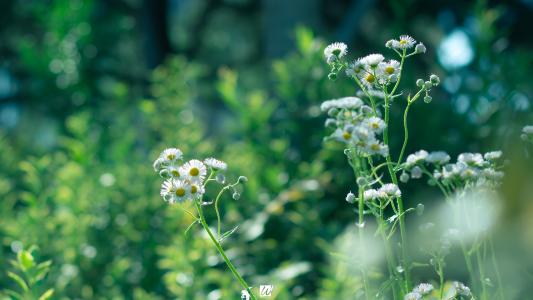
{"x":438,"y":157}
{"x":405,"y":42}
{"x":471,"y":159}
{"x":371,"y":194}
{"x":195,"y":190}
{"x":493,"y":155}
{"x":373,"y":60}
{"x":215,"y":164}
{"x":375,"y":147}
{"x":528,"y":129}
{"x":336,"y":49}
{"x":416,"y":157}
{"x":341,"y":103}
{"x":375,"y":124}
{"x":194,"y":170}
{"x":174,"y":190}
{"x":423,"y":288}
{"x":355,"y":68}
{"x":171,"y":155}
{"x":388,"y":71}
{"x":391,"y":190}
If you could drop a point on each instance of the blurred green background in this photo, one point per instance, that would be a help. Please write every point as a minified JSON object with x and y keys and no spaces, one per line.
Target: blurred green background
{"x":92,"y":91}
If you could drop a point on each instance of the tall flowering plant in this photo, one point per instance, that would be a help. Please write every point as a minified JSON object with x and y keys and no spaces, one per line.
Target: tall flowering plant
{"x":188,"y":181}
{"x":361,"y":123}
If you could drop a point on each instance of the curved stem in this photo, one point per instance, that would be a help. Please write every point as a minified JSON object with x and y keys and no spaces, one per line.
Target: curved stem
{"x":361,"y":240}
{"x":222,"y":253}
{"x":496,"y":268}
{"x":406,"y":133}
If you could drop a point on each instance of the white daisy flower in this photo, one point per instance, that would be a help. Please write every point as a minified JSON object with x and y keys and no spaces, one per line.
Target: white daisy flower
{"x":492,"y":174}
{"x":469,"y":173}
{"x":174,"y":172}
{"x":342,"y":103}
{"x":342,"y":135}
{"x":373,"y":93}
{"x":215,"y":164}
{"x":405,"y":42}
{"x":391,"y":190}
{"x":194,"y":170}
{"x":438,"y":157}
{"x":355,"y":68}
{"x":336,"y":49}
{"x":375,"y":124}
{"x":171,"y":155}
{"x":389,"y":68}
{"x":375,"y":147}
{"x":350,"y":197}
{"x":412,"y":296}
{"x":493,"y":155}
{"x":195,"y":190}
{"x":371,"y":194}
{"x":372,"y":60}
{"x":423,"y":288}
{"x":369,"y":80}
{"x":174,"y":190}
{"x":471,"y":159}
{"x":416,"y":157}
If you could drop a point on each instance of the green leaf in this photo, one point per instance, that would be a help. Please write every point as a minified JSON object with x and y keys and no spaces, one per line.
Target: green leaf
{"x":226,"y":234}
{"x":47,"y":294}
{"x":25,"y":259}
{"x":18,"y":280}
{"x":13,"y":294}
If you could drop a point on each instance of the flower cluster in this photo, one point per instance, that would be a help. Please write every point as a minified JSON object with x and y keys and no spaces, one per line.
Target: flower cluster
{"x":184,"y":181}
{"x":356,"y":125}
{"x":469,"y":168}
{"x":386,"y":191}
{"x":405,"y":42}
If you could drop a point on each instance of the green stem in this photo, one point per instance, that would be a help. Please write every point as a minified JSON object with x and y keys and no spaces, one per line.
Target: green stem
{"x":406,"y":133}
{"x":391,"y":262}
{"x":441,"y":279}
{"x":394,"y":179}
{"x":481,"y":275}
{"x":496,"y":268}
{"x":361,"y":240}
{"x":222,"y":253}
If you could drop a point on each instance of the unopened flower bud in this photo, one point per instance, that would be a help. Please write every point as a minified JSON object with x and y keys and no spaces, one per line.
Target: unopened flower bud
{"x":389,"y":43}
{"x":419,"y":83}
{"x":435,"y":80}
{"x":331,"y":122}
{"x":331,"y":59}
{"x":236,"y":196}
{"x":427,"y":99}
{"x":221,"y":178}
{"x":350,"y":198}
{"x":243,"y":179}
{"x":404,"y":177}
{"x":332,"y":76}
{"x":361,"y":181}
{"x":428,"y":85}
{"x":420,"y":48}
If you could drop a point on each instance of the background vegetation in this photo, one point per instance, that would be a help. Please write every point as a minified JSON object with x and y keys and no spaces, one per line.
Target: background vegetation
{"x":91,"y":91}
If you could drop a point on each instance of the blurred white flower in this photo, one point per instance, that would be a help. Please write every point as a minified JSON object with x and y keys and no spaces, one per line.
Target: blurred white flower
{"x":336,"y":49}
{"x":215,"y":164}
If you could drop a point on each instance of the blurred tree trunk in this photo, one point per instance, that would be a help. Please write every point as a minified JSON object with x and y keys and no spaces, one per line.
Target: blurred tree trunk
{"x":154,"y":22}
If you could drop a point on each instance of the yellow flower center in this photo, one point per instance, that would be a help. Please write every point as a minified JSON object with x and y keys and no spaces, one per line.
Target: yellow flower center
{"x":403,"y":42}
{"x":374,"y":147}
{"x":175,"y":173}
{"x":180,"y":192}
{"x":194,"y":189}
{"x":389,"y":69}
{"x":194,"y":171}
{"x":374,"y":125}
{"x":346,"y":135}
{"x":370,"y":78}
{"x":171,"y":156}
